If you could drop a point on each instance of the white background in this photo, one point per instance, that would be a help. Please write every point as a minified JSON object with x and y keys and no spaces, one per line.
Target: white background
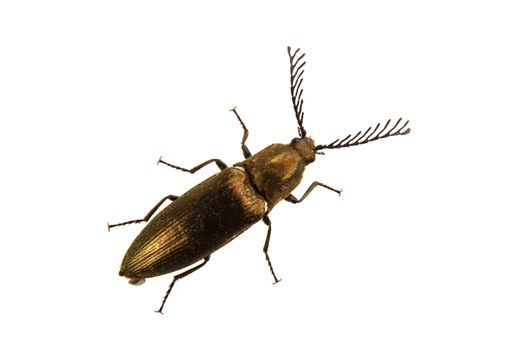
{"x":424,"y":249}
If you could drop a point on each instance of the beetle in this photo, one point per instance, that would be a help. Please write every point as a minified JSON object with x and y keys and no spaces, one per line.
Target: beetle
{"x":214,"y":212}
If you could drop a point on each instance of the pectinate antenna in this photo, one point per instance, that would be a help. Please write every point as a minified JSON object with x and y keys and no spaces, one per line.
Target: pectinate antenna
{"x":361,"y":138}
{"x":296,"y":79}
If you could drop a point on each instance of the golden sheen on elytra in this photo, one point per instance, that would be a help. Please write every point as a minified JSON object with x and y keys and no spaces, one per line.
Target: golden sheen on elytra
{"x":217,"y":210}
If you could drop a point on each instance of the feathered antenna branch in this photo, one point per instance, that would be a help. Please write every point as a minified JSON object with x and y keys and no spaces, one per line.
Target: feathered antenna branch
{"x":361,"y":138}
{"x":296,"y":80}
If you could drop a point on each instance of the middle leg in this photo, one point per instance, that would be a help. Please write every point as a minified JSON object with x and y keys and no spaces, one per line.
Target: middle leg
{"x":193,"y":170}
{"x":267,"y":221}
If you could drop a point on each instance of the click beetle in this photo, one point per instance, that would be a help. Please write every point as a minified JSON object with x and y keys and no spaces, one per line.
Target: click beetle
{"x":214,"y":212}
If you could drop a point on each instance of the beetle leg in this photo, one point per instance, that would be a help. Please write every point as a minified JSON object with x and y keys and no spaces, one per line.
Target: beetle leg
{"x":245,"y":151}
{"x":178,"y":277}
{"x":267,"y":221}
{"x":291,"y":198}
{"x":193,"y":170}
{"x":148,"y":215}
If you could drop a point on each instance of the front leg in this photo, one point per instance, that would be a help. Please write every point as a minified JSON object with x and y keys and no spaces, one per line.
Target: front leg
{"x":245,"y":151}
{"x":291,"y":198}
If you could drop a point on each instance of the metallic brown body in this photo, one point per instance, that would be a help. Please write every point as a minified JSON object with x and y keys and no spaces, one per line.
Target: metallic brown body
{"x":214,"y":212}
{"x":202,"y":220}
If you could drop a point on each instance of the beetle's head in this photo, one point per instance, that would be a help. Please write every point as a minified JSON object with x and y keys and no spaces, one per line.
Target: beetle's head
{"x":305,"y":145}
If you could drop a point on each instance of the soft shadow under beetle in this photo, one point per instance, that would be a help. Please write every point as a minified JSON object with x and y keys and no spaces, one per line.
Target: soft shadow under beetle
{"x":220,"y":208}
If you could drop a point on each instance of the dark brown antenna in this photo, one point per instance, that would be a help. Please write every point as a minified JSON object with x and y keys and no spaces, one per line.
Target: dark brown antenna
{"x":296,"y":79}
{"x":361,"y":138}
